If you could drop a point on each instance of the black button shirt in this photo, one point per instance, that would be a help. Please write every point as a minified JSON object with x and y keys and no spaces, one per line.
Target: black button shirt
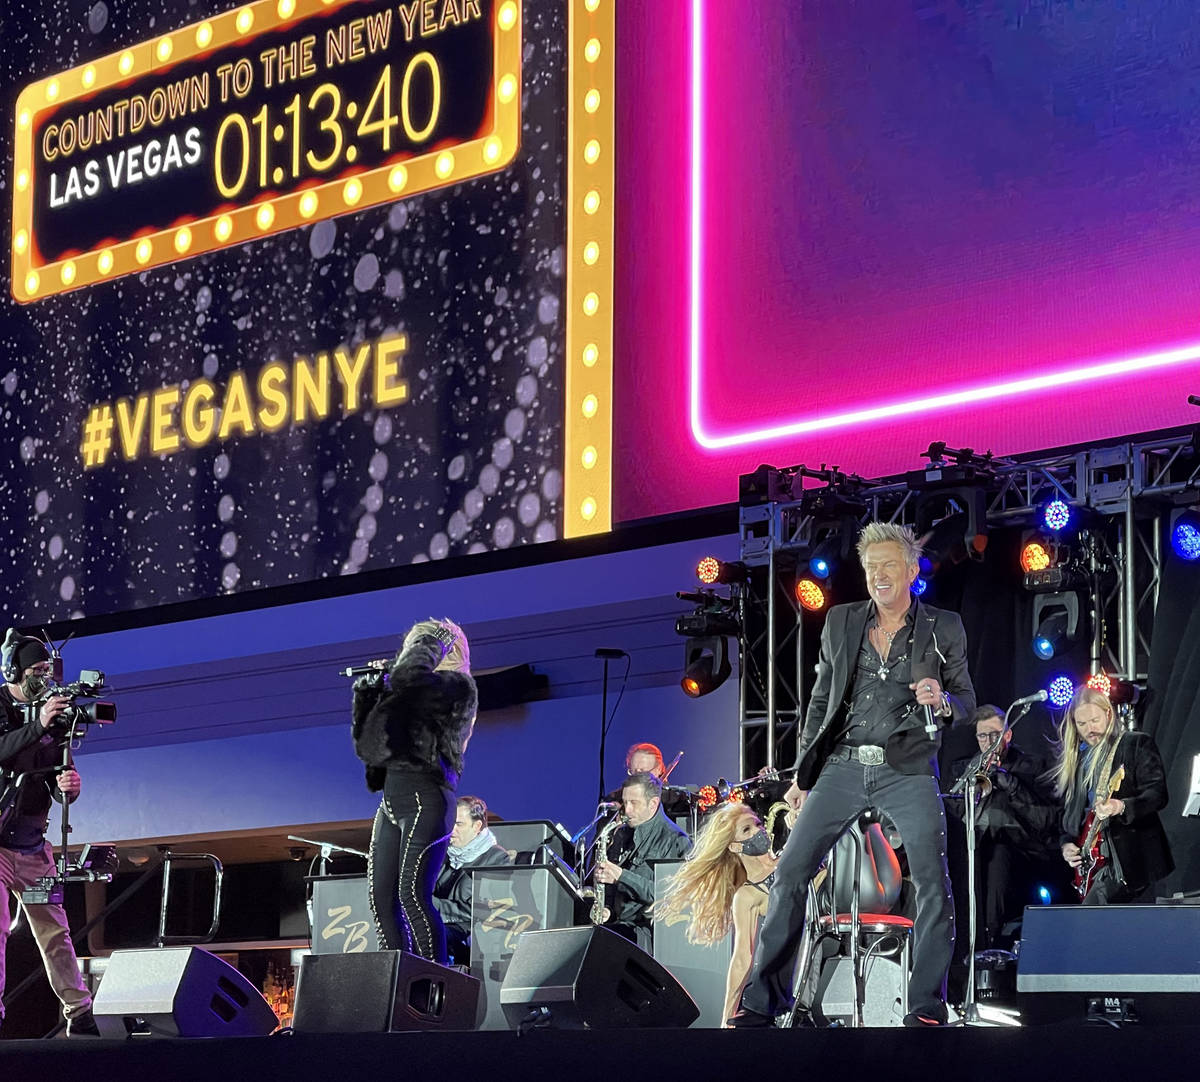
{"x":880,"y":697}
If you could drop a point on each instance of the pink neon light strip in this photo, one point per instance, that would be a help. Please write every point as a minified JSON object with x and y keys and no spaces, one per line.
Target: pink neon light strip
{"x":800,"y":426}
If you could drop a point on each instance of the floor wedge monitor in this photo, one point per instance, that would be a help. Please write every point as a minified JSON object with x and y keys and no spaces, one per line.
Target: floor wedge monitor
{"x":590,"y":978}
{"x":178,"y":992}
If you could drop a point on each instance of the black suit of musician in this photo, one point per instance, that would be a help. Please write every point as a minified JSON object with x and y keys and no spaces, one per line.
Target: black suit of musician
{"x":865,"y":744}
{"x":1132,"y":839}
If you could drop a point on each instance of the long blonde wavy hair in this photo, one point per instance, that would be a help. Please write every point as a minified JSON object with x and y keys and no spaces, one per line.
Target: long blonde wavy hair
{"x":703,"y":888}
{"x":1068,"y":743}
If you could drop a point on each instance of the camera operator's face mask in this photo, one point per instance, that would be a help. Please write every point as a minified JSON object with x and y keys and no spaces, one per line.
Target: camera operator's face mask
{"x":35,"y":680}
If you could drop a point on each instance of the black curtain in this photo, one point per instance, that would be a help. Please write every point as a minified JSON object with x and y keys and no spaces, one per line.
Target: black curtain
{"x":998,"y":617}
{"x":1172,"y":709}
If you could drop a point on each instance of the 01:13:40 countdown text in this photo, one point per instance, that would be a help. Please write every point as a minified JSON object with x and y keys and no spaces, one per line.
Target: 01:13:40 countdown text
{"x":242,"y":143}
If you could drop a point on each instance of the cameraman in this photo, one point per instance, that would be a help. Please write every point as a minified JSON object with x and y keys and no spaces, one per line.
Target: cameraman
{"x":25,"y":855}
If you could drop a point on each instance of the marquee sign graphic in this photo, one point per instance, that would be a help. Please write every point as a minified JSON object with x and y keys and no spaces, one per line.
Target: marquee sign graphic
{"x":270,"y":116}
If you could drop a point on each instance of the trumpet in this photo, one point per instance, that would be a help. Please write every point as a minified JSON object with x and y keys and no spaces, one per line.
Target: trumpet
{"x":981,"y":768}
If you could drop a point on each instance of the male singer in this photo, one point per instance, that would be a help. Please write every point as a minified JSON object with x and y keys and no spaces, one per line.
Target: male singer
{"x":891,"y":671}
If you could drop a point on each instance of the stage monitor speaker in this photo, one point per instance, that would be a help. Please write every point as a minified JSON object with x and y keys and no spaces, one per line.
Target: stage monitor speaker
{"x":504,"y":903}
{"x":1109,"y":964}
{"x":700,"y":969}
{"x":178,"y":992}
{"x":382,"y":992}
{"x":591,"y":978}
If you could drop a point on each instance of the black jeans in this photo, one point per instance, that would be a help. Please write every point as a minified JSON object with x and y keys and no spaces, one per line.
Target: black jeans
{"x":408,"y":846}
{"x":842,"y":792}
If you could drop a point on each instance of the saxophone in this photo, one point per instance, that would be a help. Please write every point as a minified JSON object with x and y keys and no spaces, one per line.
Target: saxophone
{"x":603,"y":835}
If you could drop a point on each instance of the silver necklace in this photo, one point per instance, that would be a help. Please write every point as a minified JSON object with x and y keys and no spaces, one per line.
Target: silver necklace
{"x":884,"y":667}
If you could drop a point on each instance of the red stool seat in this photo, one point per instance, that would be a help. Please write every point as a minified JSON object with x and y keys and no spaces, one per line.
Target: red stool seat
{"x":870,"y":922}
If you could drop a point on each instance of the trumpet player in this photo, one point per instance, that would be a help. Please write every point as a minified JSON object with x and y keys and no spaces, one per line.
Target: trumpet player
{"x":649,"y":836}
{"x":1016,"y":823}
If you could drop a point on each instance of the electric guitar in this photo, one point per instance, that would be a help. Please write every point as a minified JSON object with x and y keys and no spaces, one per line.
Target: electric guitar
{"x":1091,"y":860}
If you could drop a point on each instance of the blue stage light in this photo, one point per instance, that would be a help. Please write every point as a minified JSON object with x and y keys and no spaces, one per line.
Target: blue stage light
{"x":1185,"y":536}
{"x":1060,"y":691}
{"x":1044,"y":895}
{"x":824,"y":559}
{"x":1056,"y":515}
{"x":919,"y":586}
{"x":1051,"y":636}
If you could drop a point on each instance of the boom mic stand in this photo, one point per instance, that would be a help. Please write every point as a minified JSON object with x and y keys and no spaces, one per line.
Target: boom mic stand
{"x":974,"y":1013}
{"x":607,"y":654}
{"x":327,"y":849}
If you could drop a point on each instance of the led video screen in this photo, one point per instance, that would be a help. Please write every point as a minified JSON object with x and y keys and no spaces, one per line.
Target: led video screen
{"x":891,"y":223}
{"x":296,"y":289}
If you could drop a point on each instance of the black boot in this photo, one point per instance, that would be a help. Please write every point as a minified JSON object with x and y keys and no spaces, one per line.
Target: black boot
{"x":82,"y":1024}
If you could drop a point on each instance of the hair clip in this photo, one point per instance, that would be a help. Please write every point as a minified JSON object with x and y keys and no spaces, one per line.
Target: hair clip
{"x":445,"y":636}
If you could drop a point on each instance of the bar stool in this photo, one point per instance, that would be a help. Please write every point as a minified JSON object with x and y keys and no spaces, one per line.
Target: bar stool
{"x":862,"y":937}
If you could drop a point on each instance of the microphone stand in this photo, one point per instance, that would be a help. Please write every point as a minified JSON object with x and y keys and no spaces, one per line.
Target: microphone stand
{"x":327,"y":849}
{"x":603,"y":724}
{"x":607,"y":654}
{"x":973,"y":1013}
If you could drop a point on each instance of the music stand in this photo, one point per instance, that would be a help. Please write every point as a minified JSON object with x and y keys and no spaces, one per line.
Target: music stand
{"x":1192,"y":807}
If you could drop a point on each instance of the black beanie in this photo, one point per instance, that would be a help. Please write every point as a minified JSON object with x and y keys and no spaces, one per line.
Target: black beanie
{"x":29,"y":652}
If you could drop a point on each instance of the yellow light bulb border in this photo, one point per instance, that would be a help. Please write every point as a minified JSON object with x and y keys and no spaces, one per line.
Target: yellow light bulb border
{"x":491,"y":151}
{"x":587,"y":476}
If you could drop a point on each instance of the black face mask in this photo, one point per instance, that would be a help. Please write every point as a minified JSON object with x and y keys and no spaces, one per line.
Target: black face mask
{"x":33,"y":685}
{"x":757,"y":845}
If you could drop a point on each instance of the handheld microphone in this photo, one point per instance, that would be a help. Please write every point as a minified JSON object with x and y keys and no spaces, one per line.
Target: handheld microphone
{"x":919,"y":673}
{"x":376,"y":666}
{"x":1036,"y":697}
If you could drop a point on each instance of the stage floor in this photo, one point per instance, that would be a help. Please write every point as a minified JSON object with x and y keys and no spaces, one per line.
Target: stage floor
{"x":1055,"y":1053}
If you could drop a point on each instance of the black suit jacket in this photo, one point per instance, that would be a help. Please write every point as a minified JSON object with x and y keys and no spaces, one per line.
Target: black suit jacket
{"x":939,"y":649}
{"x":452,"y":891}
{"x":1137,"y":833}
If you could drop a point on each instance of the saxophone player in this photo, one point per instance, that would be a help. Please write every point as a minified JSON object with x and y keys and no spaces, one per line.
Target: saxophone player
{"x":629,"y":873}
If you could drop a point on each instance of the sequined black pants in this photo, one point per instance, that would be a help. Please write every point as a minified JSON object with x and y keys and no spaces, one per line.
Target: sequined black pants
{"x":408,"y":846}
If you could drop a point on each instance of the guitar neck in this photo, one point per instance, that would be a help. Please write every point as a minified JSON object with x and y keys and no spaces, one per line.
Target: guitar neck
{"x":1104,"y":795}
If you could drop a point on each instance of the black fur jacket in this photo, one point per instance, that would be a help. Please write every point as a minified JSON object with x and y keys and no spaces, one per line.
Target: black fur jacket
{"x":418,"y":719}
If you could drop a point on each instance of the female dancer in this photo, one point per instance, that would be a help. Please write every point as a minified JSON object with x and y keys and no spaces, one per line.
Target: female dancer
{"x":412,"y":732}
{"x":724,"y":884}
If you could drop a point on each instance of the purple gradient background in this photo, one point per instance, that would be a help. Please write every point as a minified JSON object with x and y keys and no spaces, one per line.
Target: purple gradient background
{"x":910,"y":199}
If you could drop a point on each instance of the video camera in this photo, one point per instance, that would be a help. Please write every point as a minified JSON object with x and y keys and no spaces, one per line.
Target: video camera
{"x":83,"y":706}
{"x":713,"y":615}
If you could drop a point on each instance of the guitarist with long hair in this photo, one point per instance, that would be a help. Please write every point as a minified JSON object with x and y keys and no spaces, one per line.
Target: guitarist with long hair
{"x":1113,"y":784}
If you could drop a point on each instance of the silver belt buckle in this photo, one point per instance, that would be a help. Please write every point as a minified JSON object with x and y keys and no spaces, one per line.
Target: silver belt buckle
{"x":869,"y":754}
